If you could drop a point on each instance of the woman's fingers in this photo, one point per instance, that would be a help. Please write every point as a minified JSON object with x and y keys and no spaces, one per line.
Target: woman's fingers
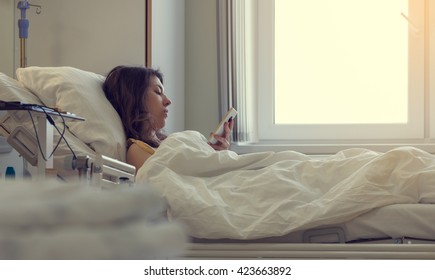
{"x":223,"y":141}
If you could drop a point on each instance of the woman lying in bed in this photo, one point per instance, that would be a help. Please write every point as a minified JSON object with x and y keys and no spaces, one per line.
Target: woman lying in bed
{"x":255,"y":195}
{"x":138,"y":95}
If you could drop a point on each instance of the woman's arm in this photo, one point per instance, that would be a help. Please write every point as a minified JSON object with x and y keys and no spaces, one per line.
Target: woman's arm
{"x":136,"y":156}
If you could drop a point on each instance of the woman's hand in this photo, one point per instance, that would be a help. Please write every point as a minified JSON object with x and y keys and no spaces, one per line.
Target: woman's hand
{"x":224,"y":140}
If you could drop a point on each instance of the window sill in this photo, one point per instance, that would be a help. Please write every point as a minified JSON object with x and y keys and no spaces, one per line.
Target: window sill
{"x":324,"y":149}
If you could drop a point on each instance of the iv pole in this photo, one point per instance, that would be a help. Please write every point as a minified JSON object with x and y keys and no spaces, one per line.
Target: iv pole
{"x":23,"y":25}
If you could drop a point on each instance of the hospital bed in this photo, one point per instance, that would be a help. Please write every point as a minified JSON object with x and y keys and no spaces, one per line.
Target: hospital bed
{"x":282,"y":205}
{"x":399,"y":230}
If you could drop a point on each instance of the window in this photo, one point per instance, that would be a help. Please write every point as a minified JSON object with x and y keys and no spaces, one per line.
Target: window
{"x":334,"y":73}
{"x":346,"y":58}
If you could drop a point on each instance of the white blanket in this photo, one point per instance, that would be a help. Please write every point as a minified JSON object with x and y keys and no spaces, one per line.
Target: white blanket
{"x":226,"y":195}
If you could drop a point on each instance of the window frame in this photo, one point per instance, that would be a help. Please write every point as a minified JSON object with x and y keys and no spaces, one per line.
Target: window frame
{"x":267,"y":130}
{"x":422,"y":133}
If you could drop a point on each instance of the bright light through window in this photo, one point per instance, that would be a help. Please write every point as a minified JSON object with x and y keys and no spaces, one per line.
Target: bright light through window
{"x":341,"y":61}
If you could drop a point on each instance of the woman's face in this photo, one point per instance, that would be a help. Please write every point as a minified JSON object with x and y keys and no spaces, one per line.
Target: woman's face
{"x":157,"y":102}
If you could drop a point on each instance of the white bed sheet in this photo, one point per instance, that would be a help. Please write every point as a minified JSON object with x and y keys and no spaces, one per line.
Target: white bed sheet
{"x":416,"y":221}
{"x":225,"y":195}
{"x":390,"y":223}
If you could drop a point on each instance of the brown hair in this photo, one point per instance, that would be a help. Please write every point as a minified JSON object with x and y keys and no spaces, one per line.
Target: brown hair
{"x":126,"y":87}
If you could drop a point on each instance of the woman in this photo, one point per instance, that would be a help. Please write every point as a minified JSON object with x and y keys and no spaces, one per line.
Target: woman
{"x":139,"y":97}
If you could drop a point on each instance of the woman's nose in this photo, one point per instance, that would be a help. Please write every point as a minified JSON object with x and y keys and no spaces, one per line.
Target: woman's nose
{"x":167,"y":101}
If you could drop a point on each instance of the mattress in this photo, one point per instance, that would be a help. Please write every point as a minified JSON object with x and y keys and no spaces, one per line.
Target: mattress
{"x":398,"y":223}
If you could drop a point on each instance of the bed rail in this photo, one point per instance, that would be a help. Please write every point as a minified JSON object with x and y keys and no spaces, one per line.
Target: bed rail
{"x":102,"y":171}
{"x":310,"y":251}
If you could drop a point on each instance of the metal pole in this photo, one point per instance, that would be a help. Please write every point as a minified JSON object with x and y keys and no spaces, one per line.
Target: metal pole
{"x":23,"y":59}
{"x":23,"y":25}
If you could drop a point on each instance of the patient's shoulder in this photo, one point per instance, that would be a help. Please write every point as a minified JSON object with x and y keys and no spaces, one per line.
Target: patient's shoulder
{"x":138,"y":152}
{"x":140,"y":144}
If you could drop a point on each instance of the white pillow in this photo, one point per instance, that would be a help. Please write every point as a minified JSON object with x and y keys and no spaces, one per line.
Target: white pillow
{"x":79,"y":92}
{"x":12,"y":90}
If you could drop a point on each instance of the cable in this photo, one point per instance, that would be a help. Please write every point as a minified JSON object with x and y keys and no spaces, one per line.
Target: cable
{"x":61,"y":134}
{"x":36,"y":134}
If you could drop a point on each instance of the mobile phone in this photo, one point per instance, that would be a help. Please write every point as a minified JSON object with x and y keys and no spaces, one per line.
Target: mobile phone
{"x":231,"y":114}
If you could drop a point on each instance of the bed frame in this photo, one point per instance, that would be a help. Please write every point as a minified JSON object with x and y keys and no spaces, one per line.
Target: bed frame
{"x":309,"y":251}
{"x":101,"y":171}
{"x":364,"y":237}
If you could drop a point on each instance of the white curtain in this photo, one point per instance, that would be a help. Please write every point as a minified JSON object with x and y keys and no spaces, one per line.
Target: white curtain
{"x":236,"y":63}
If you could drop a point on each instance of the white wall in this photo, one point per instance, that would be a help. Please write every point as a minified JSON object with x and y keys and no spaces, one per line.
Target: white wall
{"x":168,"y":56}
{"x":7,"y":8}
{"x":92,"y":35}
{"x":202,"y":112}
